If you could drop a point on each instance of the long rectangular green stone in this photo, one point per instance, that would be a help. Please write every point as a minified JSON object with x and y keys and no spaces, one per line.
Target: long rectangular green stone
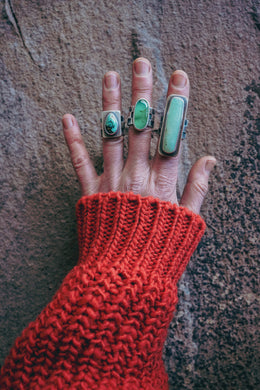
{"x":172,"y":126}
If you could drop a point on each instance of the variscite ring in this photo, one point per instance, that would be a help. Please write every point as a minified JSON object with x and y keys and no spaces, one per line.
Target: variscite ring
{"x":141,"y":115}
{"x":173,"y":125}
{"x":112,"y":124}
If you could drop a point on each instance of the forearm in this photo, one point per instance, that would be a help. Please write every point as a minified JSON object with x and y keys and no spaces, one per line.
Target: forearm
{"x":106,"y":326}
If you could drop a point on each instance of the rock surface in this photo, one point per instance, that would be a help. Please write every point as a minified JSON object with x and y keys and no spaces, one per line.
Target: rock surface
{"x":53,"y":56}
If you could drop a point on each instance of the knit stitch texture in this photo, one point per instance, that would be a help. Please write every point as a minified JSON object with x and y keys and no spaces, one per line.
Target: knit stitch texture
{"x":106,"y":326}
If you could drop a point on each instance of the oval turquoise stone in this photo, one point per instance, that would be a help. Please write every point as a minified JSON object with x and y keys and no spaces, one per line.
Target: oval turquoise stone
{"x":111,"y":124}
{"x":173,"y":125}
{"x":141,"y":114}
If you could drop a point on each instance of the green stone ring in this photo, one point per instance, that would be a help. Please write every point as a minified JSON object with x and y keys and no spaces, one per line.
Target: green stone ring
{"x":173,"y":125}
{"x":141,"y":115}
{"x":112,"y":124}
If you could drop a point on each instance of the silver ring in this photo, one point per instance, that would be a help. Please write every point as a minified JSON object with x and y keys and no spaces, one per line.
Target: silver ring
{"x":112,"y":124}
{"x":174,"y":124}
{"x":141,"y":115}
{"x":184,"y":132}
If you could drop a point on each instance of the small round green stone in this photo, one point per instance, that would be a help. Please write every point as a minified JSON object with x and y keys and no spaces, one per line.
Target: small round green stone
{"x":141,"y":114}
{"x":111,"y":124}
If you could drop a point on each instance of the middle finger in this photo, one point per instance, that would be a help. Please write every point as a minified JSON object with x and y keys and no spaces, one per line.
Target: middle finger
{"x":142,"y":85}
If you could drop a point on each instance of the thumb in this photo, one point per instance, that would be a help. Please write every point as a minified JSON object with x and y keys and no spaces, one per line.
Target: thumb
{"x":197,"y":184}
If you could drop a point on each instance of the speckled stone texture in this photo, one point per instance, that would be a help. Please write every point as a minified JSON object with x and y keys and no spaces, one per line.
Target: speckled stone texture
{"x":53,"y":56}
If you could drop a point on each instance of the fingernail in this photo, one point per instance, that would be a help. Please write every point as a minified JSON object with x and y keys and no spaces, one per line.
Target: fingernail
{"x":179,"y":80}
{"x":67,"y":122}
{"x":111,"y":81}
{"x":142,"y":68}
{"x":210,"y":165}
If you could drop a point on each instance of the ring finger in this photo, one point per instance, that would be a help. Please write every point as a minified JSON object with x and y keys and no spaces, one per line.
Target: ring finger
{"x":112,"y":147}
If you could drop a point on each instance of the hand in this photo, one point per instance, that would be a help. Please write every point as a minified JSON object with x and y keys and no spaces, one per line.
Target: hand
{"x":156,"y":177}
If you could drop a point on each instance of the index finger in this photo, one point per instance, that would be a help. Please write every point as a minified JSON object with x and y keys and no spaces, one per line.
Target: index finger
{"x":167,"y":166}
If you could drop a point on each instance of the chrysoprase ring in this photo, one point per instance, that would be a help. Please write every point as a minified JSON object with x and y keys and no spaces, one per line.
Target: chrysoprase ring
{"x":112,"y":124}
{"x":141,"y":115}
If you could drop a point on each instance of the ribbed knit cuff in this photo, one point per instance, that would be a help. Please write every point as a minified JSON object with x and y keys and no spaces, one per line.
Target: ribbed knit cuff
{"x":135,"y":234}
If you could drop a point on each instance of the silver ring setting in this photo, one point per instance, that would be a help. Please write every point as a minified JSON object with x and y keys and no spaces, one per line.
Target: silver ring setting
{"x":112,"y":124}
{"x":141,"y":115}
{"x":174,"y":124}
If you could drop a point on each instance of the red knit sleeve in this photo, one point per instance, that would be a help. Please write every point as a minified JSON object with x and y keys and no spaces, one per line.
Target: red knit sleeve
{"x":106,"y":326}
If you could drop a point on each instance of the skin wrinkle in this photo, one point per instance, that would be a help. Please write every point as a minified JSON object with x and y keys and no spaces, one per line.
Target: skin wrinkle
{"x":138,"y":174}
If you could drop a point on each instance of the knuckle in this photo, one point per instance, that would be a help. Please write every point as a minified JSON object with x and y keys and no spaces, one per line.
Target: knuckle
{"x":133,"y":184}
{"x":164,"y":183}
{"x":144,"y":90}
{"x":75,"y":140}
{"x":111,"y":101}
{"x":200,"y":188}
{"x":164,"y":187}
{"x":136,"y":177}
{"x":79,"y":162}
